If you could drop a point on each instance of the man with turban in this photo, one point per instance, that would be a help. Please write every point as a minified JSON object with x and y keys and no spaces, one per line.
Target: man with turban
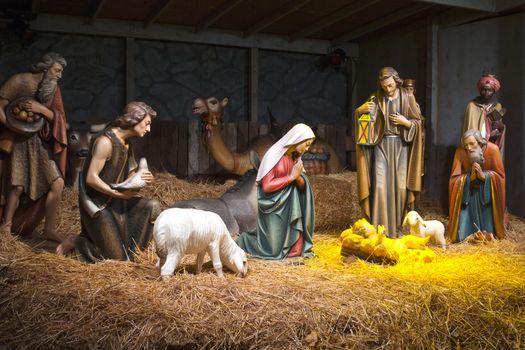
{"x":485,"y":113}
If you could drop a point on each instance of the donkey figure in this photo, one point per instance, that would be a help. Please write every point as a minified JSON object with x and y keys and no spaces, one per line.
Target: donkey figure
{"x":237,"y":207}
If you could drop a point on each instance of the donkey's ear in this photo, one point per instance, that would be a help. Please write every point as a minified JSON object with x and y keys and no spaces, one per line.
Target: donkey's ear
{"x":254,"y":159}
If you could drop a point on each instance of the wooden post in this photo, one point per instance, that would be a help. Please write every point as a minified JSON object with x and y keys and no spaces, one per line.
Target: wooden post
{"x":182,"y":150}
{"x":193,"y":147}
{"x":254,"y":83}
{"x":431,"y":93}
{"x":351,"y":104}
{"x":130,"y":69}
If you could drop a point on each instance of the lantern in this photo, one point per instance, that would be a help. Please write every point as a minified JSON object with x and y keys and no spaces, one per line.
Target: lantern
{"x":365,"y":129}
{"x":365,"y":126}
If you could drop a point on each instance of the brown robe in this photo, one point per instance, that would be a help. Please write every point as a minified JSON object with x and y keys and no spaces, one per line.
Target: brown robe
{"x":461,"y":168}
{"x":413,"y":137}
{"x":34,"y":161}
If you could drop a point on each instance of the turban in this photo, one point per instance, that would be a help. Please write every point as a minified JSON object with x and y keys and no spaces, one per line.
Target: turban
{"x":489,"y":80}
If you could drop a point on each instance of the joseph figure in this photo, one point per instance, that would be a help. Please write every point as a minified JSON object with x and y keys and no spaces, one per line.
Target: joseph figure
{"x":390,"y":166}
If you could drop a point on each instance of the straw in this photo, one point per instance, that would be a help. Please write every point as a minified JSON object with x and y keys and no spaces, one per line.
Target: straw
{"x":470,"y":297}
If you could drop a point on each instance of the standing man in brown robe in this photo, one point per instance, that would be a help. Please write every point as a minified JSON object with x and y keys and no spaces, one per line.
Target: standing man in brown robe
{"x":33,"y":165}
{"x":389,"y":167}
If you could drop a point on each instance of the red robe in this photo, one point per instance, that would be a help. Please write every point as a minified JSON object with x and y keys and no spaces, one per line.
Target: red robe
{"x":279,"y":177}
{"x":460,"y":170}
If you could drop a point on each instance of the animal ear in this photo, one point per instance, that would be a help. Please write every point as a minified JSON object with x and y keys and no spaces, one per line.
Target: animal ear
{"x":405,"y":220}
{"x":254,"y":159}
{"x":97,"y":127}
{"x":224,"y":101}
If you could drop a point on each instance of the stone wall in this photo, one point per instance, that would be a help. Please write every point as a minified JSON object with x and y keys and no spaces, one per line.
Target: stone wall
{"x":170,"y":75}
{"x":93,"y":83}
{"x":297,"y":88}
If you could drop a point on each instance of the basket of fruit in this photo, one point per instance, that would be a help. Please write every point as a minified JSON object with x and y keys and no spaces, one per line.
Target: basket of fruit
{"x":21,"y":120}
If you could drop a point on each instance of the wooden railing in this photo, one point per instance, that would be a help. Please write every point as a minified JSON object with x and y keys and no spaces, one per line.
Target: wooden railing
{"x":176,"y":147}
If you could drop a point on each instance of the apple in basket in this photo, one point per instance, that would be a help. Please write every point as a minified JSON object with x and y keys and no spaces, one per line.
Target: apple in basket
{"x":26,"y":116}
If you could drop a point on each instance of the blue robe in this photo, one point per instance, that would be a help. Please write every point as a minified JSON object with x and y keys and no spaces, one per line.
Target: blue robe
{"x":283,"y":215}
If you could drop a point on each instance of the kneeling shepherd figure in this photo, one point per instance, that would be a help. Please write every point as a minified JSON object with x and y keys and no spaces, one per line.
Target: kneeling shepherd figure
{"x":476,"y":189}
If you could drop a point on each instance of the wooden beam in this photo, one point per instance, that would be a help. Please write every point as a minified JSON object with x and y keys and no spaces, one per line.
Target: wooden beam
{"x":152,"y":17}
{"x":95,"y":10}
{"x":165,"y":32}
{"x":452,"y":17}
{"x":281,"y":13}
{"x":480,"y":5}
{"x":380,"y":23}
{"x":458,"y":16}
{"x":217,"y":14}
{"x":331,"y":19}
{"x":504,"y":5}
{"x":34,"y":6}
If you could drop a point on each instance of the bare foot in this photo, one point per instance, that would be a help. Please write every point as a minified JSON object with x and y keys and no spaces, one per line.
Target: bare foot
{"x":66,"y":246}
{"x":53,"y":236}
{"x":6,"y":228}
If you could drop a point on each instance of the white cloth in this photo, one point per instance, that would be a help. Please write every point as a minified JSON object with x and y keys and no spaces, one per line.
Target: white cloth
{"x":296,"y":135}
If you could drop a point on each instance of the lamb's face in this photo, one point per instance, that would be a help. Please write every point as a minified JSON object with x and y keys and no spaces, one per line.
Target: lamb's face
{"x":412,"y":218}
{"x":238,"y":262}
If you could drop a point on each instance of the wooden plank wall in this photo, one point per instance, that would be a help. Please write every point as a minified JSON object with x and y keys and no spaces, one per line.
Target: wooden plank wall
{"x":177,"y":148}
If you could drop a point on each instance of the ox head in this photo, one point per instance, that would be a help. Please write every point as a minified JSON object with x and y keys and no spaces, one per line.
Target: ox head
{"x":78,"y":136}
{"x":210,"y":110}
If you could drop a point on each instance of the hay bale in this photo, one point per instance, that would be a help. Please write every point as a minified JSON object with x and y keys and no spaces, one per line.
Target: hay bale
{"x":330,"y":192}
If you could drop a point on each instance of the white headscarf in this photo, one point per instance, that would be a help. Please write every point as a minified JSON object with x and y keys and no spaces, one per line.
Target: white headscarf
{"x":297,"y":134}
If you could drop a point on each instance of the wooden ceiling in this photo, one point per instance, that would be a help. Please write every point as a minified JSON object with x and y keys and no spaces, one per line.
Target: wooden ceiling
{"x":333,"y":21}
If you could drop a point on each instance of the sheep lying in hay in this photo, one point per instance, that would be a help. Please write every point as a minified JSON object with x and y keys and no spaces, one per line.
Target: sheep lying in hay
{"x":419,"y":227}
{"x":179,"y":231}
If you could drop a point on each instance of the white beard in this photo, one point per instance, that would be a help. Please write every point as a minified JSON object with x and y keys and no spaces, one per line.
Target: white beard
{"x":46,"y":90}
{"x":476,"y":156}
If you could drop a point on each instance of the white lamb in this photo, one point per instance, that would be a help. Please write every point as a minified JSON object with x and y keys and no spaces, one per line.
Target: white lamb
{"x":422,"y":228}
{"x":179,"y":231}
